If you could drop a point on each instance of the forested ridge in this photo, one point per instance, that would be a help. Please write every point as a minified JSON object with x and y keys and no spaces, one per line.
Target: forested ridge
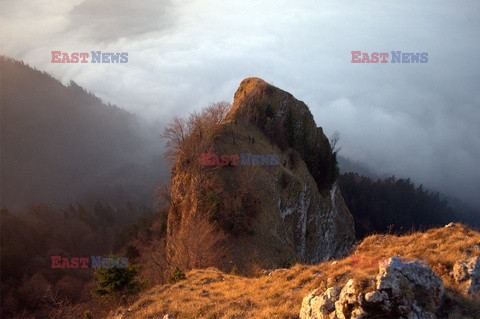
{"x":396,"y":204}
{"x":78,"y":177}
{"x":61,"y":144}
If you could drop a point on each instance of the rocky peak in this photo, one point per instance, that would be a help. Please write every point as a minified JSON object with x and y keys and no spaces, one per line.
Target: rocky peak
{"x":288,"y":123}
{"x":273,"y":215}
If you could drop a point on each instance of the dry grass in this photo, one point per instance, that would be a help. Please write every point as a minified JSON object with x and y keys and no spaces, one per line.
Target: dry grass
{"x":209,"y":293}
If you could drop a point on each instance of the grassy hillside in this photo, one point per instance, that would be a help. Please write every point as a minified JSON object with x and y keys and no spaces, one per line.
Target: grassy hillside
{"x":209,"y":293}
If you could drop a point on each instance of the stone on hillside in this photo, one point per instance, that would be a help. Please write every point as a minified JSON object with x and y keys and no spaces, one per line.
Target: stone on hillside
{"x":403,"y":290}
{"x":318,"y":305}
{"x":468,"y":272}
{"x":347,"y":301}
{"x":410,"y":280}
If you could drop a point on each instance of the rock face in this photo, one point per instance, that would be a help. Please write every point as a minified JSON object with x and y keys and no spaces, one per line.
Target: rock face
{"x":467,"y":273}
{"x":318,"y":304}
{"x":289,"y":212}
{"x":402,"y":291}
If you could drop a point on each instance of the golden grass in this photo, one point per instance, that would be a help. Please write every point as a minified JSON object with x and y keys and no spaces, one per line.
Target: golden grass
{"x":209,"y":293}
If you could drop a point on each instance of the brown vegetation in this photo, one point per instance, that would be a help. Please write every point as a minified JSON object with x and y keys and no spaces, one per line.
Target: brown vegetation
{"x":29,"y":239}
{"x":199,"y":244}
{"x":186,"y":137}
{"x":210,"y":293}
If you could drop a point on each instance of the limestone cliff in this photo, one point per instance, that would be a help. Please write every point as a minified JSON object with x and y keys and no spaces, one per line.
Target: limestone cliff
{"x":273,"y":215}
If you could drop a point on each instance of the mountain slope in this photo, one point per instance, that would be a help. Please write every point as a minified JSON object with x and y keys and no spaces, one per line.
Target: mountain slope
{"x":61,"y":144}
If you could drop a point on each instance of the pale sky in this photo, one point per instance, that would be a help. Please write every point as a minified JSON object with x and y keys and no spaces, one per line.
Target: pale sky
{"x":414,"y":120}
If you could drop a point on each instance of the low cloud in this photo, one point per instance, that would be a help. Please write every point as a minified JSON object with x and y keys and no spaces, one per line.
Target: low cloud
{"x":413,"y":120}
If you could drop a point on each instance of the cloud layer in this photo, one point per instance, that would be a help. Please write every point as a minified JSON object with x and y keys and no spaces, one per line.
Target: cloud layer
{"x":417,"y":120}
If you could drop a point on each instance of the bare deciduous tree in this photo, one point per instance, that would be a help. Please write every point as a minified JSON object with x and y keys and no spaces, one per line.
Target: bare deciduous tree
{"x":185,"y":136}
{"x":155,"y":263}
{"x":164,"y":196}
{"x":334,"y":139}
{"x":197,"y":245}
{"x":216,"y":112}
{"x":59,"y":306}
{"x":175,"y":133}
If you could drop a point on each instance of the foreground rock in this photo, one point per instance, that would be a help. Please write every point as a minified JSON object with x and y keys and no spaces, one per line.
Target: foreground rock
{"x":402,"y":291}
{"x":467,"y":273}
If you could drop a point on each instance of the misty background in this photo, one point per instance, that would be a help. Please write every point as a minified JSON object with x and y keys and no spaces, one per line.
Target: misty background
{"x":414,"y":120}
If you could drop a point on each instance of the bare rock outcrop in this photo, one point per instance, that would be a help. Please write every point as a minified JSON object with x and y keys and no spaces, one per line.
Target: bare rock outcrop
{"x":403,"y":290}
{"x":467,"y":273}
{"x":274,"y":215}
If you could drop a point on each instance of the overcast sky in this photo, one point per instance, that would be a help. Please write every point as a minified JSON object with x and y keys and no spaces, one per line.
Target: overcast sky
{"x":417,"y":120}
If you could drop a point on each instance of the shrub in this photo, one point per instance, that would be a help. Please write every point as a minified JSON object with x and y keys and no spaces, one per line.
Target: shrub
{"x":87,"y":314}
{"x":177,"y":275}
{"x":235,"y":271}
{"x":115,"y":280}
{"x":132,"y":252}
